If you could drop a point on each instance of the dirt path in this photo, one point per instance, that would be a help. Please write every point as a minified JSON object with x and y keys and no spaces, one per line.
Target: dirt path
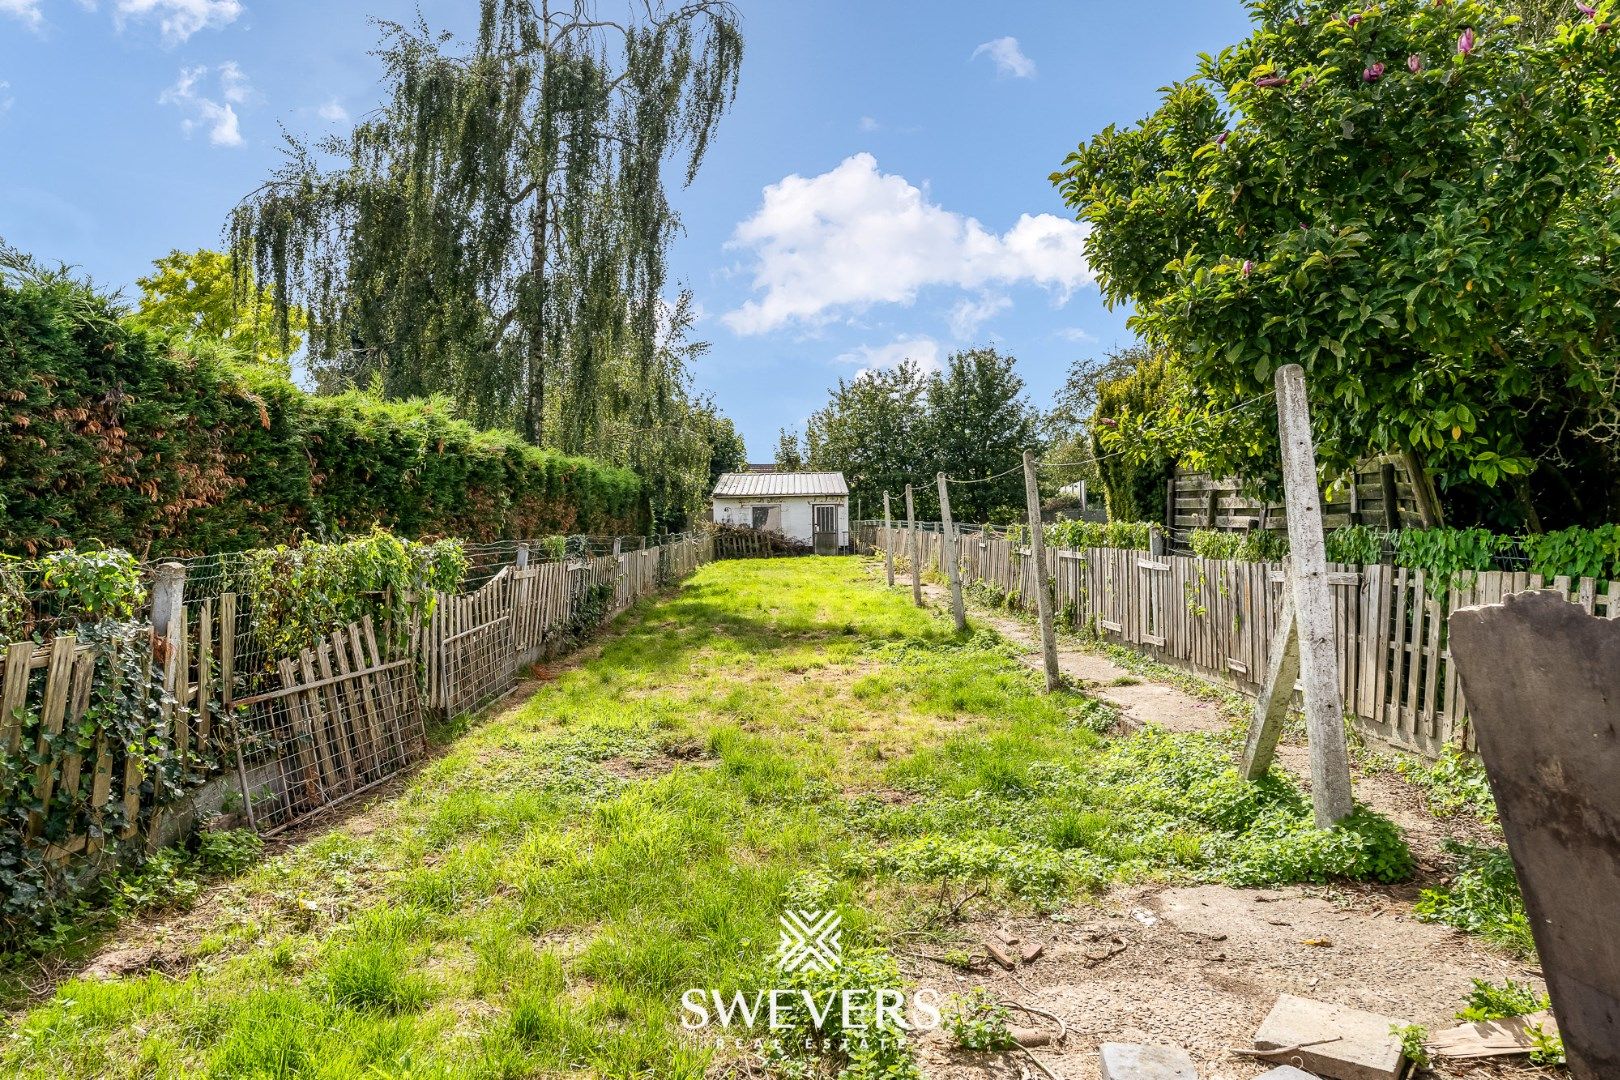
{"x":1201,"y":966}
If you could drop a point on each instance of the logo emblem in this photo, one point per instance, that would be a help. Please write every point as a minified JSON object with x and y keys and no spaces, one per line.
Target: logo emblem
{"x":810,"y":941}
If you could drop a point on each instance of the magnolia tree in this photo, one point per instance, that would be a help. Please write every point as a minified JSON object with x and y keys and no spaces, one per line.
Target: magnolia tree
{"x":1417,"y":201}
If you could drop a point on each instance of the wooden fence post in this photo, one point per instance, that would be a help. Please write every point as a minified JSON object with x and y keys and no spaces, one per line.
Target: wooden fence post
{"x":948,"y":555}
{"x":888,"y":541}
{"x":1084,"y":505}
{"x":521,"y":559}
{"x":1313,"y":613}
{"x":1043,"y":593}
{"x":168,"y":609}
{"x":916,"y":556}
{"x":168,"y":639}
{"x":1423,"y":490}
{"x":1276,"y":693}
{"x":1391,"y":494}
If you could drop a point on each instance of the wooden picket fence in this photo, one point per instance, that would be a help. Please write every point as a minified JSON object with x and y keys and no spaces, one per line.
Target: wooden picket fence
{"x":1216,"y":617}
{"x":285,"y":737}
{"x":472,"y":646}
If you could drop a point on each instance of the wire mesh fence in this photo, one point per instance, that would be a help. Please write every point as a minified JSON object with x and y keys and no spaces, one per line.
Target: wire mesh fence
{"x":327,"y":734}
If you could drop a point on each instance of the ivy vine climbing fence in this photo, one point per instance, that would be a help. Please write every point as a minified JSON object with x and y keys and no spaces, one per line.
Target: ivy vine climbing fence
{"x":1216,"y":617}
{"x":122,"y":733}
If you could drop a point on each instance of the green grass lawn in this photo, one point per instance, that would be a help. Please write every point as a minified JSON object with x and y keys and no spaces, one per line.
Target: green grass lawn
{"x":777,"y":733}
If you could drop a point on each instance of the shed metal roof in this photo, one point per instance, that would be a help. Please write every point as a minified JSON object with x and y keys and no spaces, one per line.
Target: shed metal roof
{"x":770,"y":485}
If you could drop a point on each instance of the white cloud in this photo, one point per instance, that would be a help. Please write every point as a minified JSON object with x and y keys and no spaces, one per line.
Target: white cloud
{"x":179,"y":19}
{"x":969,"y":314}
{"x":1075,"y":333}
{"x":218,"y":116}
{"x":924,"y":350}
{"x":333,"y":112}
{"x":1008,"y":58}
{"x":868,"y":125}
{"x":25,"y":10}
{"x":854,"y":237}
{"x":6,"y":100}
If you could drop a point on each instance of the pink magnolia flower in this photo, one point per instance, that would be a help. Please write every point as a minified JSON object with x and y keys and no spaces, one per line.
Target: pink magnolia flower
{"x":1108,"y":422}
{"x":1414,"y":63}
{"x":1220,"y":140}
{"x":1248,"y":267}
{"x":1465,"y":42}
{"x":1586,"y":9}
{"x":1353,"y":19}
{"x":1373,"y":74}
{"x":1270,"y":80}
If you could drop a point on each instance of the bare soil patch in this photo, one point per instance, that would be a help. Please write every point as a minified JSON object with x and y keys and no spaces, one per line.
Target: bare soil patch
{"x":1201,"y":966}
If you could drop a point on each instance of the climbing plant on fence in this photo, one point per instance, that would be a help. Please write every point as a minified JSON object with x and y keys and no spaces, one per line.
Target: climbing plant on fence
{"x":1102,"y":534}
{"x":126,"y":701}
{"x":299,"y":594}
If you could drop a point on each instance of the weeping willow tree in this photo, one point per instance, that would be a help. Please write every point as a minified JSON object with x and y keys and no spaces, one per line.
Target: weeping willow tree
{"x":498,"y":230}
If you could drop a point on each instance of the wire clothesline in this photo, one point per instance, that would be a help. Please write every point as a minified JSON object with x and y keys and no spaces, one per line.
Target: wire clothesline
{"x":1102,"y":457}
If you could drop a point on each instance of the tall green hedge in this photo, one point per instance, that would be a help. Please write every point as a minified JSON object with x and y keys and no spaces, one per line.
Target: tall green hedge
{"x":125,"y":437}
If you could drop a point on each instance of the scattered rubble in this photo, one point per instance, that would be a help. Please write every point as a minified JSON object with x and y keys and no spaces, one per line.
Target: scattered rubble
{"x":1134,"y":1061}
{"x":1333,"y":1041}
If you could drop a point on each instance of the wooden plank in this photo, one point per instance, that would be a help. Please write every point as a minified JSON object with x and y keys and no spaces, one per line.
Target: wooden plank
{"x":1400,"y":598}
{"x":342,"y":719}
{"x":180,"y":731}
{"x":205,"y":676}
{"x":321,"y":724}
{"x":52,"y":710}
{"x":1431,"y":676}
{"x":227,"y":648}
{"x":13,"y":696}
{"x":367,"y":687}
{"x":100,"y":791}
{"x":1413,"y":648}
{"x":365,"y":749}
{"x":396,"y":737}
{"x":299,"y":724}
{"x":84,"y":676}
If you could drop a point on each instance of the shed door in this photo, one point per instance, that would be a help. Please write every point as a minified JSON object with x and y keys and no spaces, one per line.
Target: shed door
{"x":826,"y":529}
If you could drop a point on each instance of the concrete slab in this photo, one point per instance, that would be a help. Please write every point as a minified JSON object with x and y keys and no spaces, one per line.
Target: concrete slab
{"x":1286,"y":1072}
{"x":1333,"y":1041}
{"x":1135,"y":1061}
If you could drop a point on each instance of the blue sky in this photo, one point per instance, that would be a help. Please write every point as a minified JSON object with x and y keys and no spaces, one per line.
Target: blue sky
{"x":880,"y":189}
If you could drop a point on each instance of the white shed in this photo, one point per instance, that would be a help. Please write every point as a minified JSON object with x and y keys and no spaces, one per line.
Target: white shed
{"x":811,"y":507}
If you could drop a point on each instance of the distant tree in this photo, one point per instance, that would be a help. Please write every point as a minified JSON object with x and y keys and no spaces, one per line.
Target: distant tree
{"x":979,"y":425}
{"x":1134,"y":403}
{"x":789,"y":458}
{"x":874,"y":431}
{"x":1067,"y":425}
{"x":196,"y":294}
{"x":498,"y":230}
{"x":727,"y":451}
{"x":1415,"y":200}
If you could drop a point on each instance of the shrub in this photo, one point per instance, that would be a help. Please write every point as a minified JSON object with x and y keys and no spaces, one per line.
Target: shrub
{"x":167,"y":448}
{"x":1079,"y":535}
{"x":1259,"y":545}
